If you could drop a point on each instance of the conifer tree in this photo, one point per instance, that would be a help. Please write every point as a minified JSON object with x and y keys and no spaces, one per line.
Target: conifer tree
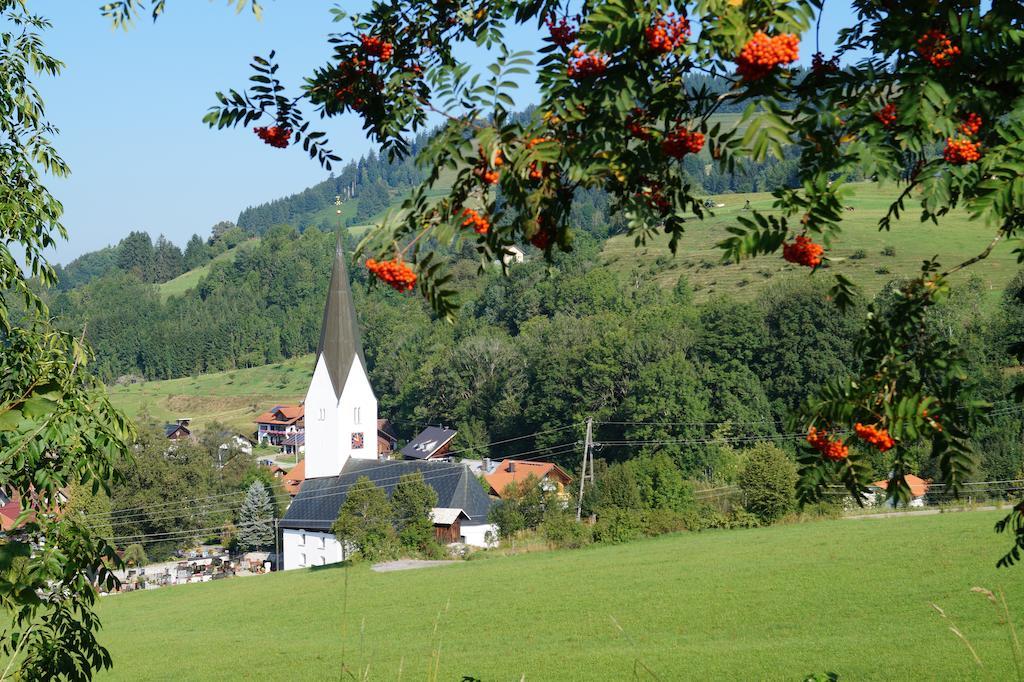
{"x":256,"y":518}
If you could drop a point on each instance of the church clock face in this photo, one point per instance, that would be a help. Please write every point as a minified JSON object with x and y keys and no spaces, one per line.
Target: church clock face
{"x":357,"y":441}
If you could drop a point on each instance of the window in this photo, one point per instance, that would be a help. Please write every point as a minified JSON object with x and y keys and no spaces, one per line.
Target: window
{"x":323,"y":561}
{"x":303,"y":542}
{"x":303,"y":560}
{"x":357,"y":441}
{"x":322,"y":414}
{"x":356,"y":415}
{"x":323,"y":542}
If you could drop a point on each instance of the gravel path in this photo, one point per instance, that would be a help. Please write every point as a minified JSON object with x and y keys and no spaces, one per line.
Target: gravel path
{"x":407,"y":564}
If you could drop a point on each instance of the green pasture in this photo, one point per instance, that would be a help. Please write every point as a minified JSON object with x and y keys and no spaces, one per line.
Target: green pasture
{"x":853,"y":597}
{"x":234,"y":397}
{"x":190,"y":280}
{"x":955,"y":239}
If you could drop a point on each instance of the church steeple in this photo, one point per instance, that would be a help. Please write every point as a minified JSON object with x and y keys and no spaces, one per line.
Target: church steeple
{"x":340,"y":341}
{"x":341,"y":409}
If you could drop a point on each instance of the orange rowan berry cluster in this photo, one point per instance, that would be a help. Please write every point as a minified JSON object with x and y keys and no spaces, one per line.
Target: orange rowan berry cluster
{"x":872,"y":435}
{"x":886,"y":115}
{"x":274,"y":136}
{"x":655,"y":197}
{"x":971,"y":125}
{"x":585,"y":66}
{"x":936,"y":47}
{"x":563,"y":33}
{"x":763,"y":53}
{"x":478,"y":222}
{"x":635,"y":126}
{"x":681,"y":142}
{"x":667,"y":33}
{"x":376,"y":48}
{"x":834,"y":450}
{"x":821,"y":66}
{"x":537,"y":169}
{"x":394,"y":272}
{"x":960,"y":151}
{"x":803,"y":252}
{"x":488,"y":171}
{"x":543,"y":236}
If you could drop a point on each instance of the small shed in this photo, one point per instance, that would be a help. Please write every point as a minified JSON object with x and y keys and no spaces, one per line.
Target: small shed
{"x":448,"y":524}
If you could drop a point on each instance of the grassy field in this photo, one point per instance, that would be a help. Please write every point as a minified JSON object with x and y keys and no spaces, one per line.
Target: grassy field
{"x":780,"y":603}
{"x":234,"y":397}
{"x":189,"y":280}
{"x":955,"y":239}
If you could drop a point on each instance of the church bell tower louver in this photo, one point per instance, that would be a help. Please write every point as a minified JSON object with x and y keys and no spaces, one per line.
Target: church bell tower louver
{"x":340,"y":407}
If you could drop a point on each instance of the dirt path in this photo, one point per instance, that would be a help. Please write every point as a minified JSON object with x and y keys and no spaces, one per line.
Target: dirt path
{"x":923,"y":512}
{"x":407,"y":564}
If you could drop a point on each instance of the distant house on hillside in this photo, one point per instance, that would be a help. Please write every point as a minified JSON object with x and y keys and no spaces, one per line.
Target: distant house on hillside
{"x":178,"y":430}
{"x":918,"y":489}
{"x":513,"y":254}
{"x":433,"y":442}
{"x":235,"y":442}
{"x":387,"y":440}
{"x":552,"y":477}
{"x":278,"y":423}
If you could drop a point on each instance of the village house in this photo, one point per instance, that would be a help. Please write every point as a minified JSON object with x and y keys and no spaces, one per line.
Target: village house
{"x":278,"y":423}
{"x":552,"y":478}
{"x":293,"y":479}
{"x":387,"y":440}
{"x":448,"y":524}
{"x":341,"y":408}
{"x":178,"y":430}
{"x":918,"y":489}
{"x":433,"y":442}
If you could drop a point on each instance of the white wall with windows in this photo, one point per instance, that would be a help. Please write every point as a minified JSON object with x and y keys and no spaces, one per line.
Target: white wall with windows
{"x":339,"y":427}
{"x":303,"y":548}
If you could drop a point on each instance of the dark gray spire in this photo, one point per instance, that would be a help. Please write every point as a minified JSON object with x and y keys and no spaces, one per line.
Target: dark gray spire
{"x":340,"y":341}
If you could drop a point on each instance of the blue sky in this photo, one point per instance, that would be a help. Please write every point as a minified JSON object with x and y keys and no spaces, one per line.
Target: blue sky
{"x":130,"y":105}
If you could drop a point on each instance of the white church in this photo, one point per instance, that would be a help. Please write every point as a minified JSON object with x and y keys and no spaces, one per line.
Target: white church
{"x":341,"y":445}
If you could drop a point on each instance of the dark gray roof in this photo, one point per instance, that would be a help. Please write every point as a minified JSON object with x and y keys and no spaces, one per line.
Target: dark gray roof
{"x":169,"y":429}
{"x":295,"y":439}
{"x":429,"y":441}
{"x":340,"y":341}
{"x":319,"y":500}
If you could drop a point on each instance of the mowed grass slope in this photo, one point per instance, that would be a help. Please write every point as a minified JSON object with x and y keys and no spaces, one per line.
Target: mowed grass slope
{"x":234,"y":397}
{"x":955,"y":239}
{"x":852,"y":597}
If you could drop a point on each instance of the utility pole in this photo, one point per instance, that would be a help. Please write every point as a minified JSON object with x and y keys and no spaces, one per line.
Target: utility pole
{"x":587,"y":454}
{"x":277,"y":545}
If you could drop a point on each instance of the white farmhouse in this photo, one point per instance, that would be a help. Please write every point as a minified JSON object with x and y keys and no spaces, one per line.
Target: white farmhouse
{"x":341,"y":443}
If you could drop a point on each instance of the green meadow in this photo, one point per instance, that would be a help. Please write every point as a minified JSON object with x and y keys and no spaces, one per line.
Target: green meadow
{"x":858,"y":250}
{"x":233,"y":397}
{"x":854,"y":597}
{"x":190,"y":280}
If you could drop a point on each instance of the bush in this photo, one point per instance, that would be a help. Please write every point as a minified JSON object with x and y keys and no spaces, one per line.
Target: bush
{"x":889,"y":251}
{"x":859,"y":254}
{"x":661,"y":521}
{"x":615,"y":524}
{"x":564,"y":531}
{"x":768,"y":482}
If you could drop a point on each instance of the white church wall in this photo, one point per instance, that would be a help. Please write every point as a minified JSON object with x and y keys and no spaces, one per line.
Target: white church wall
{"x":303,"y":548}
{"x":323,"y":456}
{"x":358,"y":413}
{"x":477,"y":535}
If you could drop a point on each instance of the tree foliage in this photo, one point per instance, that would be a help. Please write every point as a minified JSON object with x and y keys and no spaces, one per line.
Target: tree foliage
{"x":256,"y":518}
{"x":365,"y":521}
{"x":412,"y":502}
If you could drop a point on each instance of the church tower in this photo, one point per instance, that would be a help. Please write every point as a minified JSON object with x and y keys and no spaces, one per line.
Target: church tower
{"x":340,"y":408}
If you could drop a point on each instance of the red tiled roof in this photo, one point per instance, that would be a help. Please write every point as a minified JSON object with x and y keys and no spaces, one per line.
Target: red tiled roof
{"x":918,"y":486}
{"x":282,"y":414}
{"x":501,"y":477}
{"x":294,"y":478}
